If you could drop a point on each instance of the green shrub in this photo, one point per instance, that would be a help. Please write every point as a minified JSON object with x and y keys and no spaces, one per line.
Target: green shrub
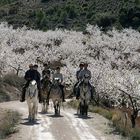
{"x":135,"y":134}
{"x":8,"y":123}
{"x":105,"y":20}
{"x":4,"y":2}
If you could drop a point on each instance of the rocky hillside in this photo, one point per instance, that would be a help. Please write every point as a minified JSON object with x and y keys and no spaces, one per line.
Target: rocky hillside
{"x":10,"y":87}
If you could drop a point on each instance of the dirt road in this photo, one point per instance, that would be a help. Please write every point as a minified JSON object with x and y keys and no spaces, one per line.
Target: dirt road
{"x":68,"y":126}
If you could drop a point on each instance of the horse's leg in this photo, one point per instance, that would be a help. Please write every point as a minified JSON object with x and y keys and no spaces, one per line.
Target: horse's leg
{"x":36,"y":110}
{"x":32,"y":111}
{"x":59,"y":108}
{"x":42,"y":106}
{"x":54,"y":105}
{"x":46,"y":106}
{"x":81,"y":110}
{"x":86,"y":109}
{"x":29,"y":109}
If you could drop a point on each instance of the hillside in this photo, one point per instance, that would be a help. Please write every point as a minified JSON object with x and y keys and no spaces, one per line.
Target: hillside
{"x":10,"y":87}
{"x":71,"y":14}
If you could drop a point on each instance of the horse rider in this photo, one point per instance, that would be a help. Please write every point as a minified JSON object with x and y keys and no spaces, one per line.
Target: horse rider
{"x":81,"y":66}
{"x":81,"y":76}
{"x":37,"y":77}
{"x":31,"y":74}
{"x":46,"y":74}
{"x":59,"y":75}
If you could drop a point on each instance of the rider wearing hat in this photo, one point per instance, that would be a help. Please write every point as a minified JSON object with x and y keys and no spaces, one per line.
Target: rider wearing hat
{"x":60,"y":76}
{"x":82,"y":74}
{"x":37,"y":77}
{"x":31,"y":74}
{"x":46,"y":73}
{"x":81,"y":65}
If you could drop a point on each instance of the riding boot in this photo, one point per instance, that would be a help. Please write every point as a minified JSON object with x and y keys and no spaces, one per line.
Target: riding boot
{"x":91,"y":91}
{"x":63,"y":96}
{"x":75,"y":88}
{"x":22,"y":98}
{"x":39,"y":96}
{"x":77,"y":93}
{"x":48,"y":96}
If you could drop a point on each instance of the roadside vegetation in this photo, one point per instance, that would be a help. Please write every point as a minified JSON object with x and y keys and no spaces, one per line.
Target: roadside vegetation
{"x":10,"y":87}
{"x":8,"y":123}
{"x":118,"y":120}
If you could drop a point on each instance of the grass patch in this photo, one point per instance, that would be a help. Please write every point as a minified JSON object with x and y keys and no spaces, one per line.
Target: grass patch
{"x":4,"y":96}
{"x":135,"y":134}
{"x":104,"y":112}
{"x":119,"y":121}
{"x":8,"y":123}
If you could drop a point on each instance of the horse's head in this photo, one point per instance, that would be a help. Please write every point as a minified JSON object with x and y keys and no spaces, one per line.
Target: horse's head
{"x":32,"y":88}
{"x":33,"y":83}
{"x":56,"y":82}
{"x":86,"y":78}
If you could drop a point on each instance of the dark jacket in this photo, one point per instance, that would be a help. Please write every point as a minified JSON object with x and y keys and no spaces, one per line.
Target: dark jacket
{"x":32,"y":75}
{"x":46,"y":72}
{"x":77,"y":74}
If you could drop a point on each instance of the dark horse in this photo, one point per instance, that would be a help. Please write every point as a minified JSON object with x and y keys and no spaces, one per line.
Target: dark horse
{"x":46,"y":84}
{"x":56,"y":95}
{"x":84,"y":96}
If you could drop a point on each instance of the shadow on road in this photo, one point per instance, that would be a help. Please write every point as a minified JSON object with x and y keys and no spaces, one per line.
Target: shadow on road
{"x":55,"y":116}
{"x":82,"y":116}
{"x":43,"y":113}
{"x":30,"y":123}
{"x":27,"y":119}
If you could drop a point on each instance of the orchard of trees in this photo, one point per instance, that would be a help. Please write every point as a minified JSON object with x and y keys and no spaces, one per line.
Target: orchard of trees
{"x":113,"y":57}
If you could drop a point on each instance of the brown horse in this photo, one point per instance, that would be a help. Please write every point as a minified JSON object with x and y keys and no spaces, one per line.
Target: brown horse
{"x":56,"y":95}
{"x":84,"y":97}
{"x":44,"y":92}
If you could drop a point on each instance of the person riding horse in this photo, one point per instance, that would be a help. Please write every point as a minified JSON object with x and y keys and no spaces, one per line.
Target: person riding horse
{"x":31,"y":74}
{"x":81,"y":76}
{"x":59,"y":76}
{"x":81,"y":66}
{"x":46,"y":75}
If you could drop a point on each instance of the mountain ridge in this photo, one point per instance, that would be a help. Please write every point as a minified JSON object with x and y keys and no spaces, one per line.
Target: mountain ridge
{"x":71,"y":14}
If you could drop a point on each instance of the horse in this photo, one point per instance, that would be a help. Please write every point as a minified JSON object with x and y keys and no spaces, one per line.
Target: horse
{"x":44,"y":92}
{"x":84,"y":97}
{"x":32,"y":100}
{"x":56,"y":95}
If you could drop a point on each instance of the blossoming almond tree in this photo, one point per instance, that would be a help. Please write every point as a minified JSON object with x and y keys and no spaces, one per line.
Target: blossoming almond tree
{"x":109,"y":54}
